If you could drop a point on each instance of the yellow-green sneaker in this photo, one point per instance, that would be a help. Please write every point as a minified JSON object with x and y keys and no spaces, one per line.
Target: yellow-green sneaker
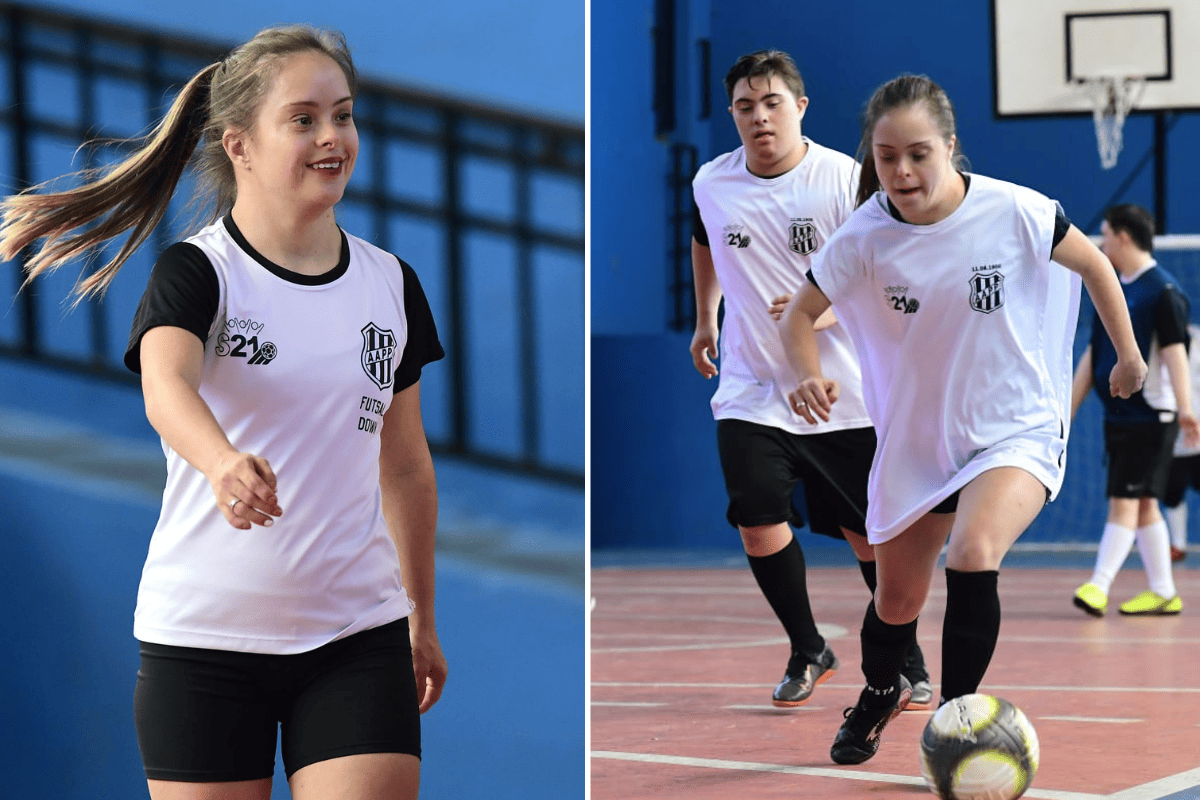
{"x":1150,"y":604}
{"x":1092,"y":599}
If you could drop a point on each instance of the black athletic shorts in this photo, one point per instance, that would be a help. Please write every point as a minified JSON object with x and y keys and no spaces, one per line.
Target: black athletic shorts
{"x":1139,"y":457}
{"x":211,"y":715}
{"x":1184,"y":473}
{"x":762,"y":466}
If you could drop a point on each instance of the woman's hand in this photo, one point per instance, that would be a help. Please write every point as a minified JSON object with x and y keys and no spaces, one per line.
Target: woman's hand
{"x":814,"y":398}
{"x":244,"y":486}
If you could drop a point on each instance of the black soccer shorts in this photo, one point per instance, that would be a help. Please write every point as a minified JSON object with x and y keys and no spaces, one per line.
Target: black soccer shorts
{"x":211,"y":715}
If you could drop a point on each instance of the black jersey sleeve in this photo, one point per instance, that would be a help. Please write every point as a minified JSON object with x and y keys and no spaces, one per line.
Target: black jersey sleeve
{"x":699,"y":232}
{"x":1061,"y":225}
{"x":183,"y":292}
{"x":423,"y":345}
{"x":1171,"y":317}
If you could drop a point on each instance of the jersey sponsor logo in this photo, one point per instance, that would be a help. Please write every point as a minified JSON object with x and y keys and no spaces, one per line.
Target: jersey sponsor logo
{"x":735,"y":236}
{"x":378,"y":347}
{"x":802,"y":236}
{"x":239,"y":339}
{"x":897,"y":297}
{"x":987,"y":291}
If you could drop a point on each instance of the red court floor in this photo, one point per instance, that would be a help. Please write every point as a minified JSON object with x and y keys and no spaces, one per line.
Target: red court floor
{"x":683,"y":663}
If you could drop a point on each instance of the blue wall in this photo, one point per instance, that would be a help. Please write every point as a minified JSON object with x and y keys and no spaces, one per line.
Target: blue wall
{"x":523,"y":54}
{"x":71,"y":548}
{"x":655,"y":476}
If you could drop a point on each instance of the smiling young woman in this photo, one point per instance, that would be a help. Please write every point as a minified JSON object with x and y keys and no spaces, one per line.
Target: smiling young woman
{"x":289,"y":583}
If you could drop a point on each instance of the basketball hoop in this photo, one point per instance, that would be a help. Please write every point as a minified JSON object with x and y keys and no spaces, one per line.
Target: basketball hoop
{"x":1112,"y":99}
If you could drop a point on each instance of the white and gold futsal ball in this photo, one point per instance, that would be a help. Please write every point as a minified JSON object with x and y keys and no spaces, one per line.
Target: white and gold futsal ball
{"x":979,"y":747}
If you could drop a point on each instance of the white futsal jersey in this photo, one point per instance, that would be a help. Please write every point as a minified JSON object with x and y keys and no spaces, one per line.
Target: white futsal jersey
{"x":300,"y":372}
{"x":964,"y":329}
{"x":762,"y":233}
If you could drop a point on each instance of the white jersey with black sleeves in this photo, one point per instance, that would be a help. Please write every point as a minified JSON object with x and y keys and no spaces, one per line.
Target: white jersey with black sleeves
{"x":763,"y":233}
{"x":298,"y":370}
{"x":965,"y":330}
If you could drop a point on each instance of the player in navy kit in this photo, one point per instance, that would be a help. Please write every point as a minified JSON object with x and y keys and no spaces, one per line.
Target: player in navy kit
{"x":1140,"y":431}
{"x":763,"y":210}
{"x":964,"y":329}
{"x":289,"y":584}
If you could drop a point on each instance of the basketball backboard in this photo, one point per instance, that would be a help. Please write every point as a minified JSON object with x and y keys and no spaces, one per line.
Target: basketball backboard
{"x":1043,"y":51}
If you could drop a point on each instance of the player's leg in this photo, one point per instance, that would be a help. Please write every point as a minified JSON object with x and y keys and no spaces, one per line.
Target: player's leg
{"x":1153,"y":540}
{"x":837,"y":468}
{"x":1174,"y":505}
{"x":369,"y":776}
{"x":353,"y":730}
{"x":1127,"y":471}
{"x":204,"y":725}
{"x":994,"y":509}
{"x":759,"y":478}
{"x":904,"y":567}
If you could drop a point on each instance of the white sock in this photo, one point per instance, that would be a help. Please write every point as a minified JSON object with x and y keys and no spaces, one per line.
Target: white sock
{"x":1177,"y":523}
{"x":1152,"y":542}
{"x":1115,"y":545}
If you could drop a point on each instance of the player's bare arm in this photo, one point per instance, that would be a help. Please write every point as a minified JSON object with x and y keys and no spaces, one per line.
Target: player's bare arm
{"x":1175,"y":358}
{"x":410,"y":507}
{"x":244,"y":485}
{"x":778,"y":304}
{"x":816,"y":394}
{"x":708,"y":303}
{"x":1077,"y":253}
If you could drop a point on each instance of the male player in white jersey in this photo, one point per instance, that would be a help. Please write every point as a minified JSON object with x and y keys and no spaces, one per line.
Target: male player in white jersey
{"x":1140,"y":431}
{"x":762,"y":211}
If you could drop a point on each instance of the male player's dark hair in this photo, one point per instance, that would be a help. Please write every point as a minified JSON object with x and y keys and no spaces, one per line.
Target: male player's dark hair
{"x":1134,"y":220}
{"x":765,"y":63}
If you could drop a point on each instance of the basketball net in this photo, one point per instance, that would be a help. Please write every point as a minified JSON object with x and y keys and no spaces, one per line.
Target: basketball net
{"x":1112,"y":98}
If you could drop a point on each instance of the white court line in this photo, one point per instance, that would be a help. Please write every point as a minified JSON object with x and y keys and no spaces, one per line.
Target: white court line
{"x":1103,"y":720}
{"x":827,"y":630}
{"x":1161,"y":787}
{"x":766,"y":707}
{"x":626,"y":705}
{"x":668,"y":648}
{"x":837,"y":632}
{"x":816,"y":772}
{"x":991,"y":687}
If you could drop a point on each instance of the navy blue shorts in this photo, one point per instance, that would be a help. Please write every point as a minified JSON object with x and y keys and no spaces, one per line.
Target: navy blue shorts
{"x":1139,"y":457}
{"x":212,"y":715}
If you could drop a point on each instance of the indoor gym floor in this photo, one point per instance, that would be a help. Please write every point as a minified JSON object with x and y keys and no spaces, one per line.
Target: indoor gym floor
{"x":683,"y":661}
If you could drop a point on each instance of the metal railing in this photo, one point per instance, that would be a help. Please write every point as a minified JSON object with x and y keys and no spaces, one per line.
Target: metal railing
{"x":512,"y":181}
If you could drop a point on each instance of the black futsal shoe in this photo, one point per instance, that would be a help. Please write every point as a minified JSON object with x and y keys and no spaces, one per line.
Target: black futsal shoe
{"x":858,"y":738}
{"x":802,"y":677}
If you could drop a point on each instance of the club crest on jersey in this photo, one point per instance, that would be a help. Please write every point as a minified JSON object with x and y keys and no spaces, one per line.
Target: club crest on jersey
{"x":802,"y":236}
{"x":736,"y":237}
{"x":987,"y":291}
{"x":378,"y":347}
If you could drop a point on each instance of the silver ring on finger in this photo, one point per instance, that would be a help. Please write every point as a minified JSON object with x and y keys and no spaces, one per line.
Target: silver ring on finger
{"x":234,"y":502}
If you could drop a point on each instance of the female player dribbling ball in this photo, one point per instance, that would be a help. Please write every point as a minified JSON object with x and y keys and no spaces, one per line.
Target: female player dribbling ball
{"x":290,"y":579}
{"x":964,"y":328}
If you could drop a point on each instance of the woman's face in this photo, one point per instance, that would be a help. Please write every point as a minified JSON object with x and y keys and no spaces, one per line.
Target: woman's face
{"x":913,"y":161}
{"x":303,"y":144}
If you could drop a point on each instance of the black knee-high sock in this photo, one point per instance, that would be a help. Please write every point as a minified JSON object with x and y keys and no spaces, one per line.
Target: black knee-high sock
{"x":914,"y":659}
{"x":883,"y":649}
{"x":783,"y":581}
{"x":970,"y":630}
